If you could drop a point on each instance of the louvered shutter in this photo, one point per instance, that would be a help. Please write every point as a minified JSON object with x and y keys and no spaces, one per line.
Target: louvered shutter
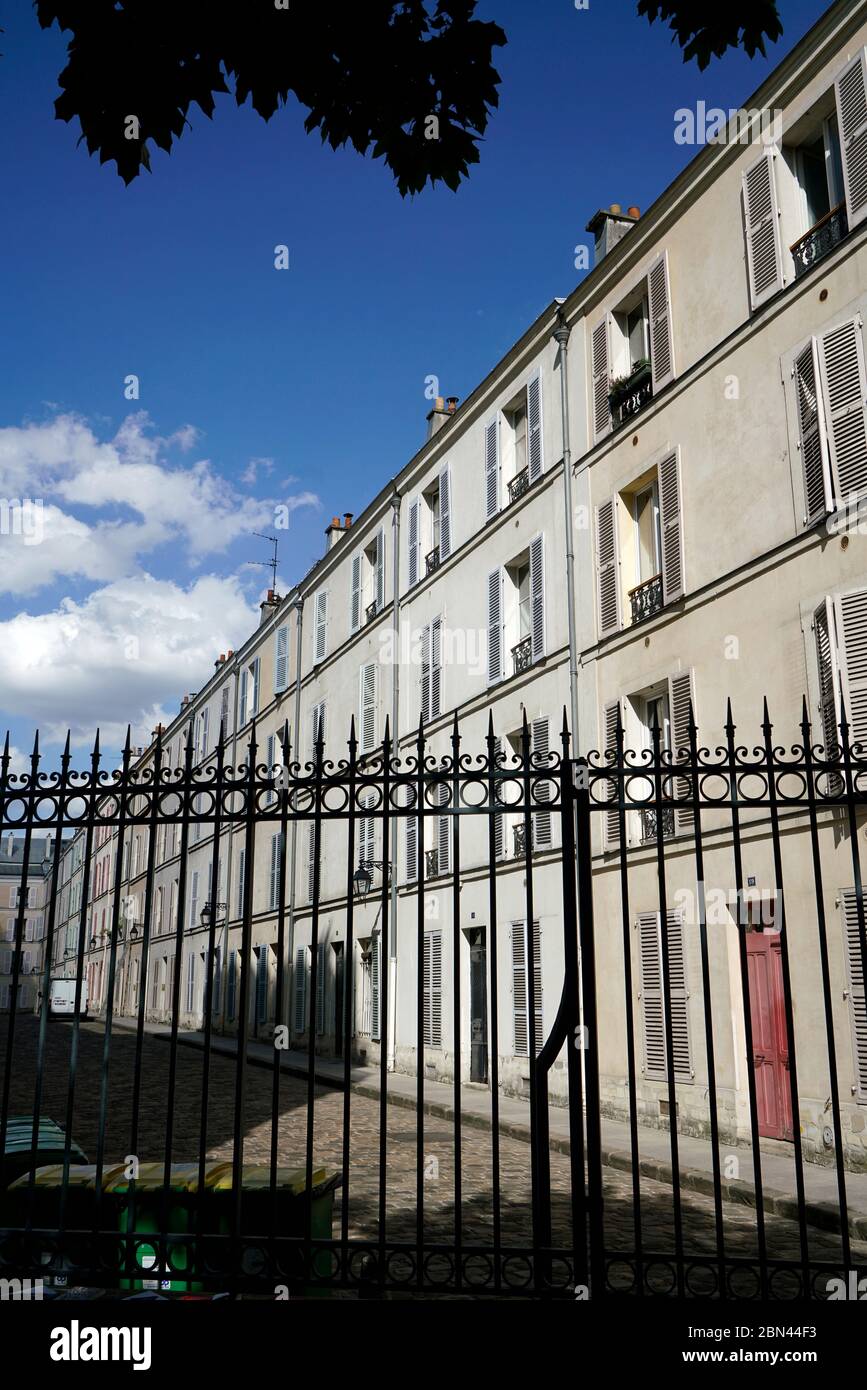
{"x":850,"y":89}
{"x":495,"y":626}
{"x":812,"y":436}
{"x":414,"y":538}
{"x":521,"y":988}
{"x":825,"y":628}
{"x":274,"y":872}
{"x":5,"y":961}
{"x":355,"y":603}
{"x":232,"y":984}
{"x":242,"y":699}
{"x":607,"y":568}
{"x":537,"y":597}
{"x":599,"y":340}
{"x":300,"y":983}
{"x":411,"y":847}
{"x":317,"y":726}
{"x":670,"y":514}
{"x":436,"y":667}
{"x":194,"y":897}
{"x":255,"y":679}
{"x":445,"y":490}
{"x":432,"y":989}
{"x":367,"y":705}
{"x":311,"y":861}
{"x":425,"y":673}
{"x":762,"y":229}
{"x":320,"y":629}
{"x":224,"y":709}
{"x":217,"y":983}
{"x":855,"y":975}
{"x":611,"y":829}
{"x":380,"y":570}
{"x":542,"y":790}
{"x":281,"y":663}
{"x":534,"y":426}
{"x":242,"y":854}
{"x":844,"y":396}
{"x":444,"y":832}
{"x":375,"y":963}
{"x":659,"y":308}
{"x":499,"y":817}
{"x":206,"y":719}
{"x":366,"y":832}
{"x":262,"y":984}
{"x":851,"y":622}
{"x":191,"y":981}
{"x":269,"y":764}
{"x":653,"y":1010}
{"x":680,"y":693}
{"x":492,"y":468}
{"x":320,"y":988}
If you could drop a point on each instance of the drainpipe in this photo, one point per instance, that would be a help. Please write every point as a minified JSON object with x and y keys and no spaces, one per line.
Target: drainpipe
{"x":298,"y":605}
{"x":561,"y":338}
{"x":224,"y":954}
{"x":395,"y":712}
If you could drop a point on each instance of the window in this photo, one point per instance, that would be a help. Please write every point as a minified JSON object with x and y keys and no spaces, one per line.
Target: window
{"x":840,"y":627}
{"x":262,"y":953}
{"x":510,"y":828}
{"x":224,"y":709}
{"x":320,"y":628}
{"x":368,"y":690}
{"x":830,"y":385}
{"x":249,"y":697}
{"x":516,"y":613}
{"x":274,"y":872}
{"x":522,"y":991}
{"x":855,"y":980}
{"x":513,"y":447}
{"x":191,"y":982}
{"x":639,"y":547}
{"x":668,"y":704}
{"x":652,"y":949}
{"x":430,"y":674}
{"x":631,"y":351}
{"x":368,"y":582}
{"x":281,"y":662}
{"x":433,"y":989}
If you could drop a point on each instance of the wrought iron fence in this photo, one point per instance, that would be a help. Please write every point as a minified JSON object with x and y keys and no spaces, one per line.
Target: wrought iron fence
{"x":608,"y":981}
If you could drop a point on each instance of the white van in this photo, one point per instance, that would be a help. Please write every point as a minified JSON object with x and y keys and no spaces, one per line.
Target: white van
{"x":61,"y":997}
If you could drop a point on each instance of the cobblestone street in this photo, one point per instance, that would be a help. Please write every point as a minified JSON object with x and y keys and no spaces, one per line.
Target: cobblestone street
{"x":361,"y":1189}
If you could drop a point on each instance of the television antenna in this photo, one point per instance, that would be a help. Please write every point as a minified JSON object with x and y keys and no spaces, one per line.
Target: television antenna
{"x":272,"y":563}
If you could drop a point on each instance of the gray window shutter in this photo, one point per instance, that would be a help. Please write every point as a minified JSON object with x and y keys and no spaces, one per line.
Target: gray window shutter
{"x":355,"y":607}
{"x":367,"y":705}
{"x":495,"y":626}
{"x":680,"y":693}
{"x":194,"y":897}
{"x":311,"y":861}
{"x":320,"y":629}
{"x":653,"y":1008}
{"x":844,"y":397}
{"x":436,"y":667}
{"x":855,"y":979}
{"x":217,"y":985}
{"x":191,"y":981}
{"x":232,"y":984}
{"x":607,"y":568}
{"x":262,"y":984}
{"x":242,"y":854}
{"x":542,"y":791}
{"x":320,"y":988}
{"x":380,"y":570}
{"x":375,"y":963}
{"x":537,"y":597}
{"x":599,"y":339}
{"x":534,"y":427}
{"x":671,"y":527}
{"x":445,"y":487}
{"x":762,"y":229}
{"x":411,"y":848}
{"x":850,"y":89}
{"x":274,"y":872}
{"x":521,"y":988}
{"x":611,"y":827}
{"x":444,"y":832}
{"x":825,"y":628}
{"x":433,"y":989}
{"x":492,"y":468}
{"x":414,"y":538}
{"x":851,"y":623}
{"x":425,"y":673}
{"x":281,"y":662}
{"x":300,"y":990}
{"x":659,"y":310}
{"x":812,"y":436}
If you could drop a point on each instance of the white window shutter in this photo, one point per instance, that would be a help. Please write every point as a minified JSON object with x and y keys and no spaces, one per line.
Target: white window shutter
{"x":425,"y":674}
{"x":681,"y":691}
{"x":659,"y":310}
{"x":436,"y":667}
{"x":380,"y":570}
{"x":5,"y":961}
{"x":850,"y":89}
{"x":762,"y":229}
{"x":311,"y":861}
{"x":274,"y":873}
{"x":671,"y":527}
{"x":300,"y":983}
{"x":281,"y":659}
{"x":432,"y":1028}
{"x":812,"y":435}
{"x":194,"y":897}
{"x":521,"y":988}
{"x":611,"y":825}
{"x":827,"y":661}
{"x":534,"y":427}
{"x":320,"y":629}
{"x":542,"y":791}
{"x":414,"y":540}
{"x":262,"y":984}
{"x":191,"y":981}
{"x":206,"y":719}
{"x":320,"y":988}
{"x":355,"y":607}
{"x":375,"y":963}
{"x":224,"y":709}
{"x":445,"y":490}
{"x":444,"y":832}
{"x":844,"y":398}
{"x":652,"y":996}
{"x":242,"y":854}
{"x":607,"y":568}
{"x":537,"y":597}
{"x":367,"y":705}
{"x":856,"y":982}
{"x":499,"y":818}
{"x":492,"y":468}
{"x":317,"y":726}
{"x":255,"y":679}
{"x":242,"y":699}
{"x":410,"y":848}
{"x":599,"y":353}
{"x":851,"y":622}
{"x":495,"y":626}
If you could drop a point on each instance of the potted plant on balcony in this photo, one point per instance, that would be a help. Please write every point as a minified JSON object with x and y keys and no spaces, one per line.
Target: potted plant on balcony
{"x":622,"y":387}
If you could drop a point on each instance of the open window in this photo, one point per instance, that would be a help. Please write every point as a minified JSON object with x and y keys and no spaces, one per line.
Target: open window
{"x":516,"y":613}
{"x":430,"y":527}
{"x":639,"y":547}
{"x":631,"y":350}
{"x":367,"y":597}
{"x":663,"y":706}
{"x":513,"y":447}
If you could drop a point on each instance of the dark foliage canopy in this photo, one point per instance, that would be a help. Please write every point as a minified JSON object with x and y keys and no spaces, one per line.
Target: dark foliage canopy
{"x":706,"y":30}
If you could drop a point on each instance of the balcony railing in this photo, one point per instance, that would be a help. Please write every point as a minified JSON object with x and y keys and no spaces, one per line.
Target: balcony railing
{"x":828,"y":232}
{"x":646,"y":599}
{"x":519,"y":485}
{"x":631,"y":394}
{"x":650,"y":821}
{"x":519,"y":837}
{"x":432,"y":560}
{"x":522,"y":655}
{"x":431,"y":863}
{"x":371,"y":611}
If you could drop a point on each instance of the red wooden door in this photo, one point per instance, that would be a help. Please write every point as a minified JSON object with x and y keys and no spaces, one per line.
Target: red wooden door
{"x":770,"y":1036}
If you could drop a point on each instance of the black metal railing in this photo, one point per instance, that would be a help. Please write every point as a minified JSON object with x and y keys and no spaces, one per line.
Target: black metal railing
{"x":768,"y":834}
{"x":432,"y":560}
{"x":371,"y":611}
{"x":646,"y":599}
{"x":522,"y":655}
{"x":631,"y":394}
{"x":519,"y":485}
{"x":828,"y":232}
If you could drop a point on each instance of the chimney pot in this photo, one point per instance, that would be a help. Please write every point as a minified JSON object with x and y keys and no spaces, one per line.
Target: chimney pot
{"x":335,"y":521}
{"x":616,"y":209}
{"x":347,"y":520}
{"x":452,"y":403}
{"x":229,"y":653}
{"x":634,"y":211}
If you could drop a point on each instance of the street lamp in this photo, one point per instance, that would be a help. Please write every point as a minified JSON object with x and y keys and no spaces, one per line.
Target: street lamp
{"x":363,"y":879}
{"x":205,"y":914}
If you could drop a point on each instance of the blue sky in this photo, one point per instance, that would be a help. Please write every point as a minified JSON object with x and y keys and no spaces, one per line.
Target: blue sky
{"x":256,"y":385}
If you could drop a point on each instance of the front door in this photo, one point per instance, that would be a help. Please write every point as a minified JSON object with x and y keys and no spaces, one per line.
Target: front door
{"x":770,"y":1036}
{"x":478,"y":1005}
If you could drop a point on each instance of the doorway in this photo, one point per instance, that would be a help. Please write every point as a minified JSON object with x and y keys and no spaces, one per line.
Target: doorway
{"x":477,"y":939}
{"x":770,"y":1035}
{"x":339,"y":1006}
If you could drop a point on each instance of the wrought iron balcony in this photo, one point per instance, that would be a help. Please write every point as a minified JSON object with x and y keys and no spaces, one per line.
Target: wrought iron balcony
{"x":519,"y":836}
{"x":519,"y":485}
{"x":431,"y":863}
{"x":432,"y":560}
{"x":522,"y":655}
{"x":646,"y":599}
{"x":371,"y":611}
{"x":828,"y":232}
{"x":631,"y":394}
{"x":649,"y":822}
